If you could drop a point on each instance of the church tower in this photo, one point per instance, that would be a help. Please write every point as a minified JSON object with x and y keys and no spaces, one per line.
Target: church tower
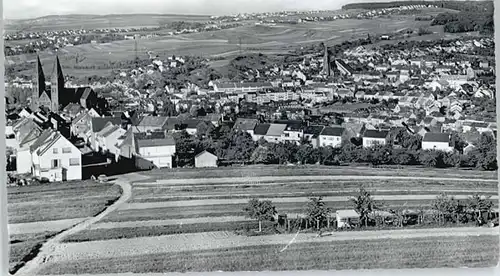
{"x":326,"y":63}
{"x":38,"y":85}
{"x":56,"y":86}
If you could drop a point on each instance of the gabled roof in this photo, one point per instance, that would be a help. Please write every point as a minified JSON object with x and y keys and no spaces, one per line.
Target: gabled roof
{"x":99,"y":123}
{"x":205,"y":152}
{"x":314,"y":130}
{"x":261,"y":129}
{"x":153,"y":121}
{"x":437,"y":137}
{"x":372,"y":133}
{"x":192,"y":123}
{"x":245,"y":124}
{"x":80,"y":117}
{"x":332,"y":131}
{"x":275,"y":129}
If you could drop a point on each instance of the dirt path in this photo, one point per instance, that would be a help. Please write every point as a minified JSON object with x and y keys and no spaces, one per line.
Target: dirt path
{"x":218,"y":240}
{"x":49,"y":248}
{"x":42,"y":226}
{"x":201,"y":202}
{"x":233,"y":180}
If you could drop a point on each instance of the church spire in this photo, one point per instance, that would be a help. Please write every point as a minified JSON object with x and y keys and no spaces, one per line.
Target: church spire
{"x":38,"y":84}
{"x":57,"y":74}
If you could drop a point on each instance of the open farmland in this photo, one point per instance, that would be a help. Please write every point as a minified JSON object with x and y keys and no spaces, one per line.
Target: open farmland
{"x":225,"y":43}
{"x":37,"y":213}
{"x":69,"y":22}
{"x":193,"y":215}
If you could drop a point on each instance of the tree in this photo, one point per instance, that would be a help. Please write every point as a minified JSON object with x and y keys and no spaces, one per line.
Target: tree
{"x":260,"y":210}
{"x":447,"y":207}
{"x":364,"y":204}
{"x":480,"y":205}
{"x":317,"y":211}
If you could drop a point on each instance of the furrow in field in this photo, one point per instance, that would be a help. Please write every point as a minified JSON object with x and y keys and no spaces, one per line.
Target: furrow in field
{"x":150,"y":205}
{"x":231,"y":180}
{"x":158,"y":194}
{"x":218,"y":240}
{"x":132,"y":224}
{"x":42,"y":226}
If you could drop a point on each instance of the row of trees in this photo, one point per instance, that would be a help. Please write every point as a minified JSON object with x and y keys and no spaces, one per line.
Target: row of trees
{"x":444,"y":209}
{"x":402,"y":148}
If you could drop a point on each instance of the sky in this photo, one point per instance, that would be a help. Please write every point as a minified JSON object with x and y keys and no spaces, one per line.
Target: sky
{"x":24,"y":9}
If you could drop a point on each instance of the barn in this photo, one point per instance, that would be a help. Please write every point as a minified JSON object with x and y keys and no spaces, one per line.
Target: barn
{"x":205,"y":159}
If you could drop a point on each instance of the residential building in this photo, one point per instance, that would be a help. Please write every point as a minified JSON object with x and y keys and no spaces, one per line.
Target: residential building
{"x":260,"y":131}
{"x":373,"y":137}
{"x":246,"y":125}
{"x":55,"y":158}
{"x":157,"y":148}
{"x":331,"y":136}
{"x":437,"y":141}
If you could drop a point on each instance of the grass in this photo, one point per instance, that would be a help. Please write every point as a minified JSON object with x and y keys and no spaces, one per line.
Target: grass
{"x":156,"y":197}
{"x":59,"y":201}
{"x":148,"y":231}
{"x":24,"y":246}
{"x":52,"y":201}
{"x":481,"y":251}
{"x":275,"y":170}
{"x":234,"y":210}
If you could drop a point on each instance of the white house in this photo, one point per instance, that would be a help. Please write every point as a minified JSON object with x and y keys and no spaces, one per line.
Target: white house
{"x":107,"y":138}
{"x":205,"y":159}
{"x":155,"y":147}
{"x":437,"y":141}
{"x":26,"y":132}
{"x":55,"y":158}
{"x":293,"y":133}
{"x":331,"y":136}
{"x":373,"y":137}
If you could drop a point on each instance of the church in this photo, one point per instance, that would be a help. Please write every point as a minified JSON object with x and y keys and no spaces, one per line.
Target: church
{"x":55,"y":96}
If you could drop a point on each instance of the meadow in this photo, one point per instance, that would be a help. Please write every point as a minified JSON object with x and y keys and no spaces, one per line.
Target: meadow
{"x":196,"y":217}
{"x":38,"y":212}
{"x":481,"y":251}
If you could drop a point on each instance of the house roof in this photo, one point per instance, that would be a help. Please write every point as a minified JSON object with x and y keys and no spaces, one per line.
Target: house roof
{"x":205,"y":152}
{"x":372,"y":133}
{"x":192,"y":123}
{"x":314,"y":130}
{"x":155,"y":139}
{"x":153,"y":121}
{"x":261,"y":129}
{"x":99,"y":123}
{"x":347,"y":213}
{"x":72,"y":108}
{"x":276,"y":129}
{"x":332,"y":131}
{"x":245,"y":124}
{"x":80,"y":117}
{"x":437,"y":137}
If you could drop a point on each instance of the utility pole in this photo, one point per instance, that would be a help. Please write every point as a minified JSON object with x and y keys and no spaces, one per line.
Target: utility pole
{"x":135,"y":50}
{"x":239,"y":44}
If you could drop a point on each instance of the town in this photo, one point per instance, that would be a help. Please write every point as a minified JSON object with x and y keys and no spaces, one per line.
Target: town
{"x":363,"y":137}
{"x":386,"y":95}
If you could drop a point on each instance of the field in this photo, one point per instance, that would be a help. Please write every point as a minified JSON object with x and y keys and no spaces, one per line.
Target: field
{"x":193,"y":216}
{"x":70,"y":22}
{"x":39,"y":212}
{"x":225,"y":43}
